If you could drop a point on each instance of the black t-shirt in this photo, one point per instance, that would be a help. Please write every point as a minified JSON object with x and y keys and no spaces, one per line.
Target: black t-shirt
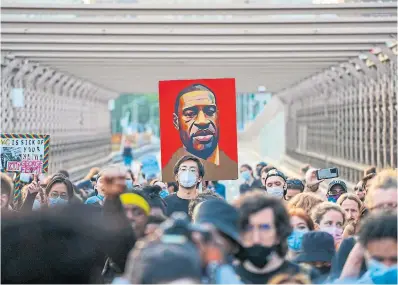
{"x":176,"y":204}
{"x":287,"y":267}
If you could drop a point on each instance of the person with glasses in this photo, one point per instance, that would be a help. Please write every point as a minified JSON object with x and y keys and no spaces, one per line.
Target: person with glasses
{"x":59,"y":191}
{"x":189,"y":172}
{"x":294,"y":187}
{"x":264,"y":227}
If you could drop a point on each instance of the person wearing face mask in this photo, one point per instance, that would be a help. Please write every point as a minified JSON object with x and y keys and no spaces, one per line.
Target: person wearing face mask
{"x":381,"y":196}
{"x":249,"y":182}
{"x":164,"y":191}
{"x":301,"y":224}
{"x":218,"y":188}
{"x":275,"y":183}
{"x":317,"y":252}
{"x":377,"y":247}
{"x":312,"y":183}
{"x":59,"y":191}
{"x":329,"y":217}
{"x":264,"y":226}
{"x":189,"y":172}
{"x":336,"y":188}
{"x":98,"y":199}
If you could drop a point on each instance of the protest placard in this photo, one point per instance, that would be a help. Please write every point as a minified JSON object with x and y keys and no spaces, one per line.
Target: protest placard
{"x":24,"y":153}
{"x":198,"y":117}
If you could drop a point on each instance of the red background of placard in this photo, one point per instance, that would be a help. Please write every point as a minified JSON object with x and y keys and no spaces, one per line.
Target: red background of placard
{"x":226,"y":103}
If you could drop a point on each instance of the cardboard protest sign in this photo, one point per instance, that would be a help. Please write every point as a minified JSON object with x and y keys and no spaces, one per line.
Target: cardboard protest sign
{"x":24,"y":153}
{"x":198,"y":117}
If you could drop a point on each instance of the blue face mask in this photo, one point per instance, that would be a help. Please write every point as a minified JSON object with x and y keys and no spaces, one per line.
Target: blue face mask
{"x":245,"y":175}
{"x":295,"y":240}
{"x":101,"y":197}
{"x":55,"y":202}
{"x":163,"y":193}
{"x":129,"y":184}
{"x":36,"y":205}
{"x":211,"y":188}
{"x":382,"y":274}
{"x":187,"y":179}
{"x":333,"y":199}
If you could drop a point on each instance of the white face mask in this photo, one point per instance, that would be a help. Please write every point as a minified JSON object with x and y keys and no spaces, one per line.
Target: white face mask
{"x":276,"y":192}
{"x":187,"y":179}
{"x":335,"y":232}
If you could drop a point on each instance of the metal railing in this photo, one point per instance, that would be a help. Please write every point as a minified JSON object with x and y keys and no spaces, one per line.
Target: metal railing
{"x":73,"y":112}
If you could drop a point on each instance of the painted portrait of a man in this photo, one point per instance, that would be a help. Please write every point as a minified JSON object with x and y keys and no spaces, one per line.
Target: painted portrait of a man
{"x":196,"y":119}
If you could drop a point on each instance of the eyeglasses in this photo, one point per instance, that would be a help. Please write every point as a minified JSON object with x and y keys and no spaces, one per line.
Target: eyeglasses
{"x":262,"y":229}
{"x":191,"y":169}
{"x":55,"y":195}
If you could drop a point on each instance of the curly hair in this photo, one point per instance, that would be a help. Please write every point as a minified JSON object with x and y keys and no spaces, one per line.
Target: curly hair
{"x":255,"y":201}
{"x":154,"y":199}
{"x":204,"y":196}
{"x":306,"y":201}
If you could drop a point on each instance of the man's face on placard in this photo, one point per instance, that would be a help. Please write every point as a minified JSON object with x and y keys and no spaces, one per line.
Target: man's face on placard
{"x":197,"y":122}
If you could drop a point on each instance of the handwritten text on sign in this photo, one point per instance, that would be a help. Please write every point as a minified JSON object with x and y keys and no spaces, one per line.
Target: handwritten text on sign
{"x":22,"y":154}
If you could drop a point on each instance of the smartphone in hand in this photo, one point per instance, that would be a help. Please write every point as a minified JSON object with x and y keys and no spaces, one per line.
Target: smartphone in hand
{"x":327,"y":173}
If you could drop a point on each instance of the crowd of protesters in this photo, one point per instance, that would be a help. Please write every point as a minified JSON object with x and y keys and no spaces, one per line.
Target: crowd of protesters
{"x":116,"y":226}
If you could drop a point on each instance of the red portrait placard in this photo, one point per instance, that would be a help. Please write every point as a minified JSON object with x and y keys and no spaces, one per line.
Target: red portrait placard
{"x":198,"y":117}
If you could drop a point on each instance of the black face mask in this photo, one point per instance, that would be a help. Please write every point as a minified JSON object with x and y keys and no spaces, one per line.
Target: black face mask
{"x":258,"y":255}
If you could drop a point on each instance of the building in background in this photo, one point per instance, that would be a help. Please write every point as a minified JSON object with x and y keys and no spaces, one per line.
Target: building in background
{"x":249,"y":106}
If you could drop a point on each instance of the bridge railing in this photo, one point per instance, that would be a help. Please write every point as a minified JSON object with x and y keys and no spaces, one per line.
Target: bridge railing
{"x":344,"y":117}
{"x":72,"y":111}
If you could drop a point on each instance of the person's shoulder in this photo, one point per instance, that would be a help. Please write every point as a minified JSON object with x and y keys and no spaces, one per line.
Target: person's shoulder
{"x":257,"y":183}
{"x":170,"y":198}
{"x":347,"y":244}
{"x":242,"y":274}
{"x":92,"y":200}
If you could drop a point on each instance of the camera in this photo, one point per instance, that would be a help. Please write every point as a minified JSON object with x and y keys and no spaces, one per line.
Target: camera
{"x":178,"y":229}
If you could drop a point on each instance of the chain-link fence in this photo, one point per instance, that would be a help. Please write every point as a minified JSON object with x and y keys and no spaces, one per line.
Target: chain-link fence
{"x":346,"y":118}
{"x":73,"y":112}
